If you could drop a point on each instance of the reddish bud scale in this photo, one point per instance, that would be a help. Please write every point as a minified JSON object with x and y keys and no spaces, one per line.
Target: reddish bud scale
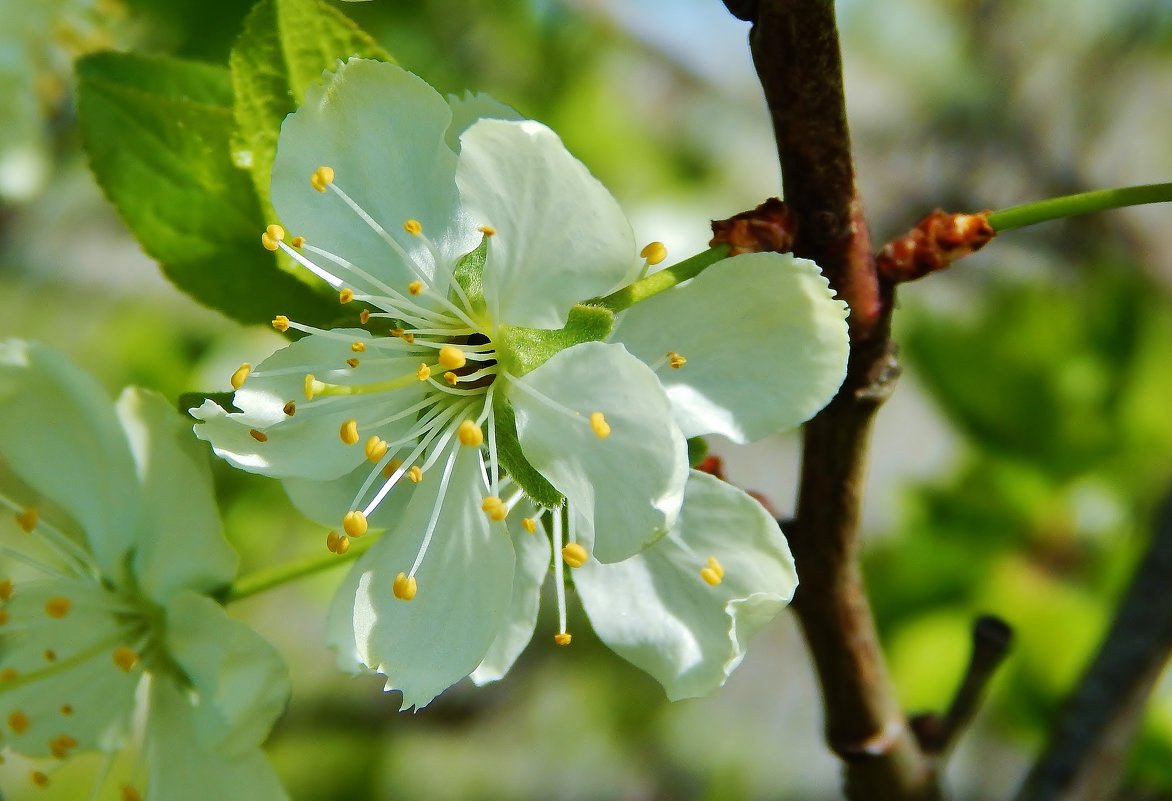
{"x":934,"y":243}
{"x":769,"y":228}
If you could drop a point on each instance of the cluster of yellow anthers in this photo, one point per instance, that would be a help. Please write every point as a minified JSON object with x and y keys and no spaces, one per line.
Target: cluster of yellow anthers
{"x":57,"y":608}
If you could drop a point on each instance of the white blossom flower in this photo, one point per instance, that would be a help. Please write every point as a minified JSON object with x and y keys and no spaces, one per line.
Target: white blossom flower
{"x":476,"y":394}
{"x":110,"y":546}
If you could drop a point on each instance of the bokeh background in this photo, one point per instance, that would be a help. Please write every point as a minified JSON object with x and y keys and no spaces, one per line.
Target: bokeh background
{"x":1015,"y":472}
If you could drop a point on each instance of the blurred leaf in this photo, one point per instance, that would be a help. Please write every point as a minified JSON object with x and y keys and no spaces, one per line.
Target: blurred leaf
{"x":284,"y":48}
{"x":156,"y":131}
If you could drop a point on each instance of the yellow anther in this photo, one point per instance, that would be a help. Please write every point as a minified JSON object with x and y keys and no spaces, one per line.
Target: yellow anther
{"x":487,"y":230}
{"x":390,"y":467}
{"x":345,"y":296}
{"x":358,"y":347}
{"x":289,"y":409}
{"x":3,"y":617}
{"x":336,"y":543}
{"x":322,"y":177}
{"x":130,"y":794}
{"x":7,"y":675}
{"x":452,"y":358}
{"x":495,"y":508}
{"x":39,"y":779}
{"x":562,"y":638}
{"x":297,"y":241}
{"x":713,"y":574}
{"x":415,"y":287}
{"x":397,"y":332}
{"x":18,"y":722}
{"x":59,"y":746}
{"x":354,"y":524}
{"x":241,"y":374}
{"x":125,"y":658}
{"x":599,"y":425}
{"x":376,"y":448}
{"x":451,"y":378}
{"x":404,"y":587}
{"x":423,"y":373}
{"x":259,"y":436}
{"x":414,"y":474}
{"x":575,"y":555}
{"x":349,"y":432}
{"x":470,"y":434}
{"x":654,"y":252}
{"x":6,"y":588}
{"x":281,"y":323}
{"x":50,"y":655}
{"x":408,"y":337}
{"x":364,"y":316}
{"x":352,"y":362}
{"x":57,"y":607}
{"x":310,"y":386}
{"x":529,"y":524}
{"x":28,"y":519}
{"x":66,"y":710}
{"x":272,"y":236}
{"x":413,"y":227}
{"x":716,"y":566}
{"x":675,"y":360}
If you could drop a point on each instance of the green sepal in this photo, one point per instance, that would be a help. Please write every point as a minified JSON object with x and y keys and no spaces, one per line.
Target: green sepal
{"x":508,"y":450}
{"x":192,"y":400}
{"x":520,"y":350}
{"x":469,"y":274}
{"x":697,"y":450}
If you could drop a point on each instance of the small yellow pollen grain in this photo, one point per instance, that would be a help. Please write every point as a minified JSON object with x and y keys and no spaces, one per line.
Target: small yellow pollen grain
{"x":18,"y":722}
{"x":50,"y":655}
{"x":376,"y":448}
{"x":66,"y":710}
{"x":404,"y":587}
{"x":575,"y":555}
{"x":39,"y":779}
{"x":487,"y":230}
{"x":297,"y":241}
{"x":130,"y":794}
{"x":414,"y":474}
{"x":354,"y":524}
{"x":654,"y":252}
{"x":57,"y":607}
{"x":599,"y":425}
{"x":413,"y":227}
{"x":259,"y":436}
{"x":470,"y":434}
{"x":675,"y":360}
{"x":28,"y":519}
{"x":281,"y":323}
{"x":345,"y":296}
{"x":358,"y":347}
{"x":423,"y":373}
{"x":529,"y":524}
{"x":241,"y":374}
{"x":322,"y":177}
{"x":390,"y":467}
{"x":349,"y":432}
{"x":6,"y":589}
{"x":352,"y":362}
{"x":451,"y":378}
{"x":364,"y":316}
{"x":452,"y":358}
{"x":562,"y":638}
{"x":415,"y":287}
{"x":289,"y":409}
{"x":125,"y":658}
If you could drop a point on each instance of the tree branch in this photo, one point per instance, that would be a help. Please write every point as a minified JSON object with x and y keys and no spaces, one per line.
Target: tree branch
{"x":1084,"y":759}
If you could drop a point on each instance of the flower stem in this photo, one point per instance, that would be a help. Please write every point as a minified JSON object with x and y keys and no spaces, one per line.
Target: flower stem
{"x":270,"y":577}
{"x":664,"y":279}
{"x":1082,"y":203}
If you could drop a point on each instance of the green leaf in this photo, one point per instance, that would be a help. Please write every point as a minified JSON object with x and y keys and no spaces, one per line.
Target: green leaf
{"x":284,"y":48}
{"x":156,"y":131}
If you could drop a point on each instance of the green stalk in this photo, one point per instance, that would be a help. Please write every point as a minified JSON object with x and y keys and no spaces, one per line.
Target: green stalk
{"x":664,"y":279}
{"x":1083,"y":203}
{"x":270,"y":577}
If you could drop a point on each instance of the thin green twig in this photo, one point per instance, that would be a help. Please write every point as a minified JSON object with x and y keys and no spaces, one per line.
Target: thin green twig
{"x":271,"y":577}
{"x":1083,"y":203}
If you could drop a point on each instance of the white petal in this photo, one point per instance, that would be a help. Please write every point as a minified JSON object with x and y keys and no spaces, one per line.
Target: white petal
{"x":308,"y":444}
{"x":630,"y":484}
{"x":560,"y":237}
{"x":765,"y":342}
{"x":655,"y":610}
{"x":425,"y":645}
{"x":381,"y":129}
{"x":240,"y":681}
{"x":182,"y":768}
{"x":471,"y":108}
{"x":59,"y":434}
{"x":533,"y":554}
{"x":178,"y":542}
{"x":81,"y":692}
